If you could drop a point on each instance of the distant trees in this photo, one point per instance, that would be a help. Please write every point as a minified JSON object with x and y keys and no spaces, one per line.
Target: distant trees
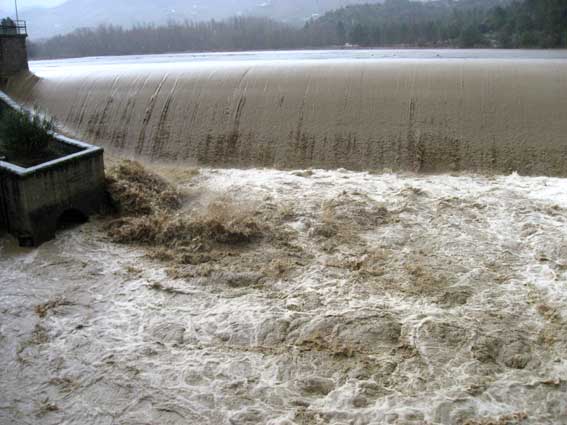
{"x":410,"y":23}
{"x":232,"y":34}
{"x":470,"y":36}
{"x":341,"y":33}
{"x":471,"y":23}
{"x":440,"y":23}
{"x":531,"y":23}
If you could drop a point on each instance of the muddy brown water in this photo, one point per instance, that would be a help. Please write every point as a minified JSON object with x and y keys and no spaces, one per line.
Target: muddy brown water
{"x":449,"y":309}
{"x":432,"y":112}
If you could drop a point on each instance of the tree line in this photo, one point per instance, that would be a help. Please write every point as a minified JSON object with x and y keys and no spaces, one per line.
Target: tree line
{"x":531,"y":23}
{"x":239,"y":33}
{"x":395,"y":23}
{"x":449,"y":23}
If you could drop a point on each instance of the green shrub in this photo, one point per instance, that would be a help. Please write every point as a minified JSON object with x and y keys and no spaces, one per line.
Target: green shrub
{"x":24,"y":133}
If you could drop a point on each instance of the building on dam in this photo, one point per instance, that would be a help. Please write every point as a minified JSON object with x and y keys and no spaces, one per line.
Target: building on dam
{"x":13,"y":51}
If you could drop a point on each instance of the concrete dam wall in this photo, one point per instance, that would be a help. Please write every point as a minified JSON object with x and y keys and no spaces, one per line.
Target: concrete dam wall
{"x":426,"y":115}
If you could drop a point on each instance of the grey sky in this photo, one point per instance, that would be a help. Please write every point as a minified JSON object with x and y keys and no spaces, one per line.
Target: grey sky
{"x":23,"y":4}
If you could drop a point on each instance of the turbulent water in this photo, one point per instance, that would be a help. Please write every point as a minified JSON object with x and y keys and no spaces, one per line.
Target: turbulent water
{"x":433,"y":300}
{"x":490,"y":111}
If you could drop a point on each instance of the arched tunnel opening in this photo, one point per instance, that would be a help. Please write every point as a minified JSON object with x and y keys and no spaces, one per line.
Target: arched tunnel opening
{"x":71,"y":218}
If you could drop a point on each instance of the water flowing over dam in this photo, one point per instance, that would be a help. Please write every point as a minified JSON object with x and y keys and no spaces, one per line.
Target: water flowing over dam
{"x":494,"y":112}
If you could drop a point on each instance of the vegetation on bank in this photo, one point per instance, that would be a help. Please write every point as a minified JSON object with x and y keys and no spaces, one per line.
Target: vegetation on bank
{"x":396,"y":23}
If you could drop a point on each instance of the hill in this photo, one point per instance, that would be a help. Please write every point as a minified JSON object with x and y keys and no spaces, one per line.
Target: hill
{"x":406,"y":22}
{"x":396,"y":23}
{"x":75,"y":14}
{"x":449,"y":23}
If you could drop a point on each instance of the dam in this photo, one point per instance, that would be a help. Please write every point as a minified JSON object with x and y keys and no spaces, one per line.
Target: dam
{"x":231,"y":294}
{"x":418,"y":111}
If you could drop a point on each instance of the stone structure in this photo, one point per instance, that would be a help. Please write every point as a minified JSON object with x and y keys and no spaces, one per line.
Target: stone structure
{"x":13,"y":51}
{"x":34,"y":200}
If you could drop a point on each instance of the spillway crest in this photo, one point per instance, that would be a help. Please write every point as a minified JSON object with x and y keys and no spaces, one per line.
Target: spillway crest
{"x":418,"y":115}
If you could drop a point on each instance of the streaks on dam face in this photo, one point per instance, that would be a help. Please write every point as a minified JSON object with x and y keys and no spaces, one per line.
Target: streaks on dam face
{"x":402,"y":110}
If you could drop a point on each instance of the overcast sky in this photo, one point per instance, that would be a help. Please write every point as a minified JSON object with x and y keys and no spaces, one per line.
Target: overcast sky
{"x":23,"y":4}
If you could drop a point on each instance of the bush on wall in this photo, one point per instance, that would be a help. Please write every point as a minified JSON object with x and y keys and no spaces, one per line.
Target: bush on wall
{"x":25,"y":133}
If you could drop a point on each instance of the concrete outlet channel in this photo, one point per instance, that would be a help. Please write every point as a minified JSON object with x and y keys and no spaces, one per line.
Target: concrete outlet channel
{"x":34,"y":200}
